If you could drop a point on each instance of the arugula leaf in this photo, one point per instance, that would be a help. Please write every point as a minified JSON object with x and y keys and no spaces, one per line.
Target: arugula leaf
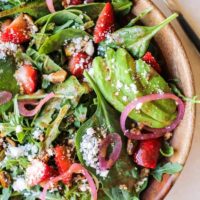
{"x":120,"y":194}
{"x":168,"y":168}
{"x":53,"y":129}
{"x":21,"y":162}
{"x":167,"y":150}
{"x":136,"y":39}
{"x":55,"y":41}
{"x":107,"y":118}
{"x":43,"y":62}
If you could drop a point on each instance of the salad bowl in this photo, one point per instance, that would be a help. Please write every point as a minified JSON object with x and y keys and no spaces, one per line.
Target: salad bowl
{"x":177,"y":66}
{"x":70,"y":76}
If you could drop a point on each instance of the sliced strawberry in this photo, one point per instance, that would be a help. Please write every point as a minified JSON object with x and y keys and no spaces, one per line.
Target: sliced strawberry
{"x":62,"y":159}
{"x":149,"y":59}
{"x":79,"y":62}
{"x":17,"y":31}
{"x":147,"y":153}
{"x":39,"y":172}
{"x":104,"y":24}
{"x":26,"y":77}
{"x":67,"y":3}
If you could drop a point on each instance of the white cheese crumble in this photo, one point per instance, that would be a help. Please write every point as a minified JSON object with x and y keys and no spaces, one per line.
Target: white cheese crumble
{"x":7,"y":48}
{"x":29,"y":150}
{"x":18,"y":129}
{"x":138,"y":106}
{"x":19,"y":184}
{"x":90,"y":149}
{"x":119,"y":85}
{"x":36,"y":133}
{"x":34,"y":172}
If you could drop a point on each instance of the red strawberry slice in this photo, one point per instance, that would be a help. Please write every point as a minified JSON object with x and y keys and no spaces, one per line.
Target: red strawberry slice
{"x":39,"y":172}
{"x":17,"y":31}
{"x":149,"y":59}
{"x":104,"y":24}
{"x":79,"y":62}
{"x":67,"y":3}
{"x":62,"y":159}
{"x":26,"y":77}
{"x":147,"y":153}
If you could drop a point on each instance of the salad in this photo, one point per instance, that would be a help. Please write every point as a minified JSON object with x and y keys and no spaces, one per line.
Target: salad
{"x":85,"y":109}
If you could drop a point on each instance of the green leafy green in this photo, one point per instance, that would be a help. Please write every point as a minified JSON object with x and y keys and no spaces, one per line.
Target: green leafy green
{"x":167,"y":150}
{"x":105,"y":117}
{"x":168,"y":168}
{"x":7,"y":70}
{"x":119,"y":194}
{"x":6,"y":193}
{"x":21,"y":162}
{"x":36,"y":9}
{"x":53,"y":129}
{"x":121,"y":80}
{"x":139,"y":17}
{"x":70,"y":90}
{"x":43,"y":62}
{"x":57,"y":40}
{"x":136,"y":39}
{"x":94,"y":9}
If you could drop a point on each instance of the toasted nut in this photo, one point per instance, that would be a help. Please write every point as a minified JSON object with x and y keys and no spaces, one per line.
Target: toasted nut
{"x":5,"y":179}
{"x":56,"y":77}
{"x":167,"y":136}
{"x":69,"y":50}
{"x":144,"y":172}
{"x":131,"y":145}
{"x":2,"y":154}
{"x":10,"y":141}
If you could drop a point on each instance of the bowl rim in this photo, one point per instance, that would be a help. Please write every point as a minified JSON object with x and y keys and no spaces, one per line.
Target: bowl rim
{"x":159,"y":190}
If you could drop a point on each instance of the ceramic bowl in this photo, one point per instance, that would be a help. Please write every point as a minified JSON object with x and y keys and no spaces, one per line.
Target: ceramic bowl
{"x":177,"y":66}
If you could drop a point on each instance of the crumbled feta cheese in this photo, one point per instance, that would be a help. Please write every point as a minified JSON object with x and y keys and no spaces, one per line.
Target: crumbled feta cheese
{"x":7,"y":48}
{"x":138,"y":106}
{"x":34,"y":172}
{"x":89,"y":49}
{"x":14,"y":152}
{"x":36,"y":133}
{"x":133,"y":88}
{"x":124,"y":98}
{"x":90,"y":150}
{"x":119,"y":85}
{"x":18,"y":129}
{"x":19,"y":184}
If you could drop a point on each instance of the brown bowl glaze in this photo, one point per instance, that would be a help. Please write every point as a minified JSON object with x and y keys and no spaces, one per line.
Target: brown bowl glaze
{"x":178,"y":67}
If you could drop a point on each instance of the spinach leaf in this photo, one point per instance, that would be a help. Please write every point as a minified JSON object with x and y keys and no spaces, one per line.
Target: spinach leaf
{"x":121,"y":80}
{"x":168,"y":168}
{"x":139,"y":17}
{"x":167,"y":150}
{"x":36,"y":9}
{"x":136,"y":39}
{"x":107,"y":118}
{"x":43,"y":62}
{"x":7,"y":70}
{"x":94,"y":9}
{"x":55,"y":41}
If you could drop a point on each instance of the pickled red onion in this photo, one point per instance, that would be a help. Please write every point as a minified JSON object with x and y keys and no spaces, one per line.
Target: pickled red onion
{"x":29,"y":113}
{"x":111,"y":138}
{"x":50,"y":6}
{"x":5,"y":97}
{"x":67,"y":176}
{"x":155,"y":132}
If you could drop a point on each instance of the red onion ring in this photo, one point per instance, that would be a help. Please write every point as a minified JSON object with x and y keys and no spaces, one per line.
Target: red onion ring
{"x":75,"y":168}
{"x":29,"y":113}
{"x":157,"y":132}
{"x":5,"y":97}
{"x":50,"y":6}
{"x":107,"y":164}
